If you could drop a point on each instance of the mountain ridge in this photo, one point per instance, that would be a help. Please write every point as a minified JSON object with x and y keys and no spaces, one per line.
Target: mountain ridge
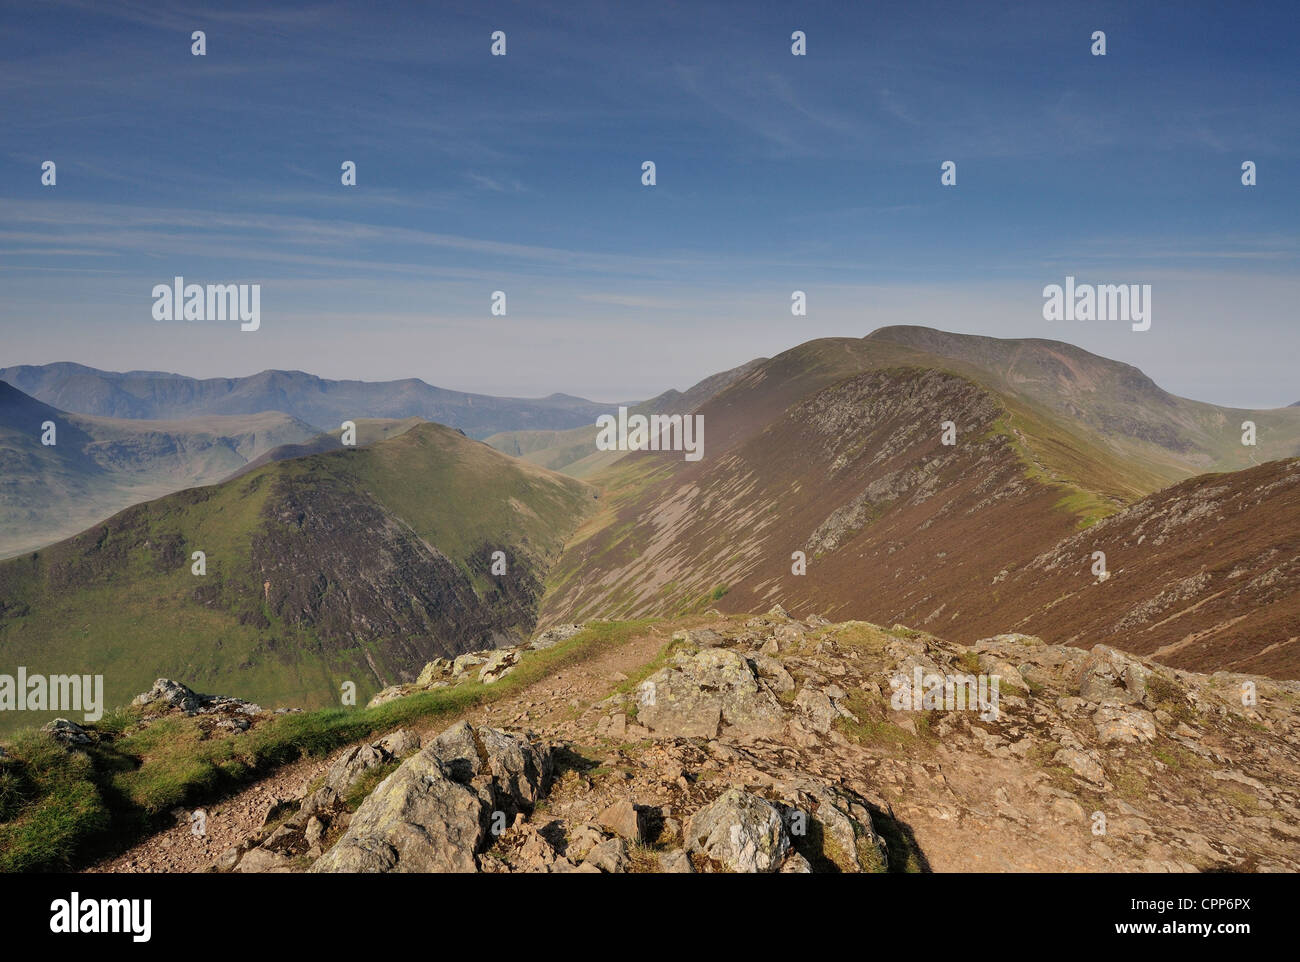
{"x":325,"y":403}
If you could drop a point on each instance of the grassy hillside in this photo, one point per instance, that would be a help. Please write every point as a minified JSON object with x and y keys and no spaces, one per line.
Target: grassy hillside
{"x":1121,"y":407}
{"x":355,"y":565}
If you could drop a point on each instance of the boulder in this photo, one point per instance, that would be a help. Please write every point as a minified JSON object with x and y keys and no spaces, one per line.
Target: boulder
{"x":498,"y":665}
{"x":699,"y":637}
{"x":707,"y":689}
{"x":1124,"y":724}
{"x":1108,"y":675}
{"x":171,"y":693}
{"x":676,"y":862}
{"x":553,"y":636}
{"x":432,"y":672}
{"x":739,"y":831}
{"x":261,"y":860}
{"x":1083,"y":764}
{"x":391,"y":693}
{"x":400,"y":743}
{"x":434,"y":813}
{"x":772,"y":671}
{"x":464,"y":663}
{"x":833,"y":830}
{"x":609,"y":856}
{"x":622,"y":819}
{"x":67,"y":733}
{"x":817,"y":709}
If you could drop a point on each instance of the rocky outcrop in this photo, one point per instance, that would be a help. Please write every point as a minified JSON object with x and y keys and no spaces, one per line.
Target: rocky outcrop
{"x":168,"y":694}
{"x":777,"y":745}
{"x":437,"y":812}
{"x":739,"y":831}
{"x":486,"y":667}
{"x":67,"y":733}
{"x":705,"y":691}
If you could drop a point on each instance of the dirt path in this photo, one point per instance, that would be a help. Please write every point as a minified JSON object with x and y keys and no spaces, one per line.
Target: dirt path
{"x":546,"y":706}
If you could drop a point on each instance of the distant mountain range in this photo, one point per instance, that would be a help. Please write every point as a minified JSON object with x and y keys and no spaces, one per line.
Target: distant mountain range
{"x":323,"y":403}
{"x":97,"y":466}
{"x":574,"y":451}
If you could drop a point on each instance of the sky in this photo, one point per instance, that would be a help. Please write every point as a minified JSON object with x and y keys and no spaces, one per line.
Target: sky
{"x":523,"y":173}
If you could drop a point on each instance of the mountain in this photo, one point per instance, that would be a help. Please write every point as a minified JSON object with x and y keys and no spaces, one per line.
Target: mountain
{"x":1115,"y":401}
{"x":317,"y":401}
{"x":97,"y":466}
{"x":834,"y":449}
{"x":355,"y":565}
{"x":574,"y":451}
{"x":367,"y":431}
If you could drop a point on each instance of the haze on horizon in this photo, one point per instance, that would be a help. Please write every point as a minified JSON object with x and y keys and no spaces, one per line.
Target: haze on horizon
{"x":522,"y":173}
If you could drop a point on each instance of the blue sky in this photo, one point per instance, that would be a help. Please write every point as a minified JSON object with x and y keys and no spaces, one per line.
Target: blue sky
{"x":522,"y":173}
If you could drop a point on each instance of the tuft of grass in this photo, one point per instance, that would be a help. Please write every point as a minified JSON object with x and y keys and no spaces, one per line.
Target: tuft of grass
{"x":367,"y":783}
{"x":873,"y":730}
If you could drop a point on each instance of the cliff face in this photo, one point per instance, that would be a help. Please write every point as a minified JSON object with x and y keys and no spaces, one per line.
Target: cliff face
{"x":333,"y":561}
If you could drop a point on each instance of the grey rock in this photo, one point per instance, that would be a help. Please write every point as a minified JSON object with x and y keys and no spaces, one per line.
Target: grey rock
{"x":172,"y":693}
{"x":67,"y":733}
{"x":433,"y":814}
{"x":1124,"y":724}
{"x":740,"y":831}
{"x":676,"y":862}
{"x":1108,"y":675}
{"x":706,"y":690}
{"x":609,"y":856}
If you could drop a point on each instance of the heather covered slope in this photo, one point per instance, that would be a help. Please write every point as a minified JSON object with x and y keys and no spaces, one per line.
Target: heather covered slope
{"x":357,"y":565}
{"x":318,"y":401}
{"x":1203,"y":575}
{"x":98,"y":466}
{"x":892,"y":522}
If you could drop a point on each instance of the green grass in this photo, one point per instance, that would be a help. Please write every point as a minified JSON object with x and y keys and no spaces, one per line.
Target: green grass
{"x":60,"y":808}
{"x":874,"y":731}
